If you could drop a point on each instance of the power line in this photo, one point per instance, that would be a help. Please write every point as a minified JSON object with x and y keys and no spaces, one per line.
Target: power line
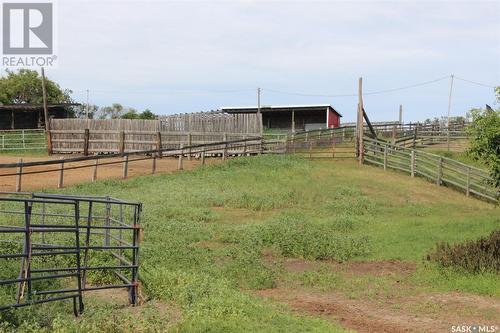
{"x":474,"y":82}
{"x":366,"y":93}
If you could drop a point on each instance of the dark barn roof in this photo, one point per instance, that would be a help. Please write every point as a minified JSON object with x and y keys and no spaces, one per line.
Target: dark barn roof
{"x":33,"y":107}
{"x":279,"y":108}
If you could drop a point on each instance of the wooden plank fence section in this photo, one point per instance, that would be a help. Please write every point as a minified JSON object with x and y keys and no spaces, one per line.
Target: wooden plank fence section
{"x":90,"y":136}
{"x":438,"y":169}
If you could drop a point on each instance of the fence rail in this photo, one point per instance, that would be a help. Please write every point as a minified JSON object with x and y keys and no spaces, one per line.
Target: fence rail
{"x":42,"y":227}
{"x":436,"y":168}
{"x":26,"y":139}
{"x":222,"y":149}
{"x":91,"y":136}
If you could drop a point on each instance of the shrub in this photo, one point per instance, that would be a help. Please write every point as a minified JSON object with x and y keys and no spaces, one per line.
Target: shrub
{"x":482,"y":255}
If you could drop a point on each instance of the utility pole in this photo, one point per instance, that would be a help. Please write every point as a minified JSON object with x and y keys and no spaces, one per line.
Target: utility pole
{"x":46,"y":114}
{"x":360,"y":121}
{"x":259,"y":115}
{"x":400,"y":115}
{"x":88,"y":106}
{"x":449,"y":111}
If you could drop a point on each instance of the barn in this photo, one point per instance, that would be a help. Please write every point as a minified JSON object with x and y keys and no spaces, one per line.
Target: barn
{"x":293,"y":117}
{"x":30,"y":116}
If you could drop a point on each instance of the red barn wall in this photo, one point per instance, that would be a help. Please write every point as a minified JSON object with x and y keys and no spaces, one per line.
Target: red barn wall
{"x":333,"y":119}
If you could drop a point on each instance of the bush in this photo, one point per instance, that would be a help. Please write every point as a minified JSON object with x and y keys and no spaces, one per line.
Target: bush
{"x":482,"y":255}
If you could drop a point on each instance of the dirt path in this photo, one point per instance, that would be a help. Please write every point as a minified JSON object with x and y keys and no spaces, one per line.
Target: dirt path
{"x":403,"y":309}
{"x":40,"y":181}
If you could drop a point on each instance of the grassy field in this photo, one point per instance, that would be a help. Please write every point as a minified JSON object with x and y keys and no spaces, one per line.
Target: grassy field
{"x":280,"y":244}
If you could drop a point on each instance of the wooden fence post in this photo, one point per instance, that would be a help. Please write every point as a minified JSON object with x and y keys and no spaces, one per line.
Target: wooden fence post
{"x":48,"y":135}
{"x":467,"y":189}
{"x":190,"y":140}
{"x":86,"y":137}
{"x":125,"y":166}
{"x":61,"y":174}
{"x":224,"y":150}
{"x":244,"y":145}
{"x":94,"y":173}
{"x":393,"y":135}
{"x":412,"y":160}
{"x":385,"y":156}
{"x":159,"y":144}
{"x":122,"y":142}
{"x":439,"y":171}
{"x":180,"y":165}
{"x":153,"y":168}
{"x":19,"y":174}
{"x":203,"y":158}
{"x":23,"y":138}
{"x":415,"y":138}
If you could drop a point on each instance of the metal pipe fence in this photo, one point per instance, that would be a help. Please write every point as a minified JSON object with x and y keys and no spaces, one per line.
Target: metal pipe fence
{"x":55,"y":242}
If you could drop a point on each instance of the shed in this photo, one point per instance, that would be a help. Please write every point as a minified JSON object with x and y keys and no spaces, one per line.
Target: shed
{"x":30,"y":116}
{"x":293,"y":117}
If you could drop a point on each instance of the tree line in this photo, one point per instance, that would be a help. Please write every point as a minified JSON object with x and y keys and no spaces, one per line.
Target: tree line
{"x":25,"y":87}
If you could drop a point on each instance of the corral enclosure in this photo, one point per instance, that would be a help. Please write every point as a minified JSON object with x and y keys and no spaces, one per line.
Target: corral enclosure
{"x":169,"y":132}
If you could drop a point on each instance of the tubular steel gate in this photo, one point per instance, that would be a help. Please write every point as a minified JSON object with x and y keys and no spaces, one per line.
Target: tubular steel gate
{"x":54,"y":247}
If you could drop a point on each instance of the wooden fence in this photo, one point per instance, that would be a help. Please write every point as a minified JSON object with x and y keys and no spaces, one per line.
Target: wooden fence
{"x":436,"y":168}
{"x":26,"y":139}
{"x":252,"y":146}
{"x":211,"y":122}
{"x":90,"y":136}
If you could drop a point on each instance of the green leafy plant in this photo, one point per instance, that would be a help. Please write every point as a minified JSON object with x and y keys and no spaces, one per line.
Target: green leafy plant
{"x":484,"y":133}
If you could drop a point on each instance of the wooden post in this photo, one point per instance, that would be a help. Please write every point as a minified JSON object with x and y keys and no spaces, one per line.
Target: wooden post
{"x":153,"y":168}
{"x":293,"y":121}
{"x":360,"y":121}
{"x":19,"y":174}
{"x":439,"y":171}
{"x":244,"y":145}
{"x":415,"y":138}
{"x":125,"y":166}
{"x":224,"y":150}
{"x":412,"y":166}
{"x":23,"y":139}
{"x":159,"y":144}
{"x":467,"y":189}
{"x":310,"y":150}
{"x":189,"y":144}
{"x":86,"y":138}
{"x":203,"y":158}
{"x":393,"y":135}
{"x":46,"y":115}
{"x":307,"y":136}
{"x":122,"y":142}
{"x":261,"y":147}
{"x":60,"y":184}
{"x":180,"y":165}
{"x":94,"y":173}
{"x":400,"y":115}
{"x":385,"y":156}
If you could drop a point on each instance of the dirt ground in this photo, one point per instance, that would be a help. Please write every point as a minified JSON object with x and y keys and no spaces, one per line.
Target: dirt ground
{"x":401,"y":310}
{"x":31,"y":182}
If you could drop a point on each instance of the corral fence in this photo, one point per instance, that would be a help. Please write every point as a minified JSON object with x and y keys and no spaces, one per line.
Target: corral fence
{"x":50,"y":244}
{"x":323,"y":143}
{"x":92,"y":136}
{"x":436,"y":168}
{"x":223,"y":149}
{"x":24,"y":139}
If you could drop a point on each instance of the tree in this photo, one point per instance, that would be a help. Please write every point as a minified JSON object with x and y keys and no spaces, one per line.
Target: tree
{"x":25,"y":86}
{"x":80,"y":111}
{"x":131,"y":114}
{"x":147,"y":114}
{"x":484,"y":135}
{"x":114,"y":111}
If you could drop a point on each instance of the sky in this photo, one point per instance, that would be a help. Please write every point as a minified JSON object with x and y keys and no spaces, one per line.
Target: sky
{"x":189,"y":56}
